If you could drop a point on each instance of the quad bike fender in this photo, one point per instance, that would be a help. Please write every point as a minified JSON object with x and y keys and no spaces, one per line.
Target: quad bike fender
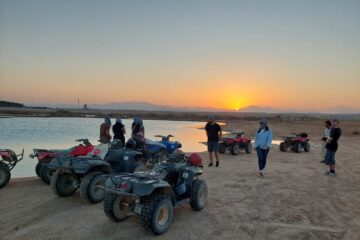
{"x":227,"y":141}
{"x":136,"y":189}
{"x":190,"y":174}
{"x":146,"y":189}
{"x":79,"y":165}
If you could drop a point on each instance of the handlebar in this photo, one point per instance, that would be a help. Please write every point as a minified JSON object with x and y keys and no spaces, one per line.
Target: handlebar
{"x":161,"y":136}
{"x":84,"y":141}
{"x":21,"y":155}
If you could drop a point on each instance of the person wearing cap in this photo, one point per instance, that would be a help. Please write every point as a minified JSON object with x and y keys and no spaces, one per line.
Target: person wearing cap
{"x":105,"y":136}
{"x":119,"y":131}
{"x":332,"y":146}
{"x":263,"y":140}
{"x":213,"y":133}
{"x":325,"y":137}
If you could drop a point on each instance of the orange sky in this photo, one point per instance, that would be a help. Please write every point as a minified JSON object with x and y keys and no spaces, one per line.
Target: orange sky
{"x":292,"y":56}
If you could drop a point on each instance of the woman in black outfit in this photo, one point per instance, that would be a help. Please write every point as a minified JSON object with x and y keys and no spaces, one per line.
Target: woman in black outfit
{"x":119,"y":131}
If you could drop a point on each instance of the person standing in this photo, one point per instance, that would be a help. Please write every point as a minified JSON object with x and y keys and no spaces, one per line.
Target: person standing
{"x":119,"y":131}
{"x":263,"y":140}
{"x":138,"y":132}
{"x":326,"y":135}
{"x":213,"y":133}
{"x":105,"y":136}
{"x":332,"y":146}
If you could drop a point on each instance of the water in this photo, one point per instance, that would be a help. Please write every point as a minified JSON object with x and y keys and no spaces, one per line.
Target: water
{"x":58,"y":133}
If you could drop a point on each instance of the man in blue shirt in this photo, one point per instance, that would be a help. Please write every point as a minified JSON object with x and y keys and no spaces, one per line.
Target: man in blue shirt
{"x":263,"y":140}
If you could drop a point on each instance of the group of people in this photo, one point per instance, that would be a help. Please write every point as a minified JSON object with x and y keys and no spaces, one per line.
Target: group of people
{"x":263,"y":141}
{"x":119,"y":131}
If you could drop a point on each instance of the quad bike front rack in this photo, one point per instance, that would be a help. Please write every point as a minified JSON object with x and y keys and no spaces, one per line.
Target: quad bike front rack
{"x":13,"y":159}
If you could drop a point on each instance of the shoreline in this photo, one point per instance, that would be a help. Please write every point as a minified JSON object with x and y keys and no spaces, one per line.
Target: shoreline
{"x":170,"y":115}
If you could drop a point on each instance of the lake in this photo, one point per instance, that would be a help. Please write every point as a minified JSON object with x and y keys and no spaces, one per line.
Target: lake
{"x":26,"y":133}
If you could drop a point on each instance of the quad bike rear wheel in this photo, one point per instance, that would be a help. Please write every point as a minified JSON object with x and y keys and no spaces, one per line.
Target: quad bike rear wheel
{"x":157,"y":214}
{"x":5,"y":174}
{"x":64,"y":184}
{"x":283,"y":147}
{"x":115,"y":207}
{"x":222,"y":148}
{"x":38,"y":169}
{"x":307,"y":147}
{"x":46,"y":174}
{"x":199,"y":192}
{"x":88,"y":187}
{"x":235,"y":149}
{"x":248,"y":147}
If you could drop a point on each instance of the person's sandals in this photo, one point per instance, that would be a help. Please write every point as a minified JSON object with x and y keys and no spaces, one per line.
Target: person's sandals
{"x":210,"y":164}
{"x":217,"y":164}
{"x":261,"y":174}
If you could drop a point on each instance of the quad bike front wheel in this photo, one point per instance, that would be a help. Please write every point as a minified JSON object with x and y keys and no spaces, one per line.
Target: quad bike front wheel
{"x":157,"y":214}
{"x":88,"y":187}
{"x":115,"y":207}
{"x":222,"y":148}
{"x":46,"y":174}
{"x":283,"y":147}
{"x":64,"y":184}
{"x":248,"y":147}
{"x":307,"y":147}
{"x":235,"y":149}
{"x":5,"y":174}
{"x":297,"y":147}
{"x":38,"y":169}
{"x":199,"y":193}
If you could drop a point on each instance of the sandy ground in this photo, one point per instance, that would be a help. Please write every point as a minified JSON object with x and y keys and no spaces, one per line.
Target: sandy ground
{"x":295,"y":200}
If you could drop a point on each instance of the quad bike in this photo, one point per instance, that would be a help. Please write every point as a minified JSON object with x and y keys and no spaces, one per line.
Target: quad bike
{"x":296,"y":143}
{"x":44,"y":157}
{"x":152,"y":151}
{"x":154,"y":195}
{"x":86,"y":172}
{"x":235,"y":144}
{"x":8,"y":161}
{"x":171,"y":146}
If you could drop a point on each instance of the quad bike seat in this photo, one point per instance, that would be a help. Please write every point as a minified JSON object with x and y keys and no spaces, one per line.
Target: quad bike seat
{"x":304,"y":135}
{"x":171,"y":171}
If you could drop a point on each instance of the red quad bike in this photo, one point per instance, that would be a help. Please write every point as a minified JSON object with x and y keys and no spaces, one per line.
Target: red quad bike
{"x":44,"y":157}
{"x":8,"y":161}
{"x":235,"y":144}
{"x":296,"y":143}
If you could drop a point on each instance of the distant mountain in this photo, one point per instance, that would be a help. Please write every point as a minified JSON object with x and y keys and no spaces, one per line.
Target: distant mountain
{"x":11,"y":104}
{"x":140,"y":106}
{"x":333,"y":110}
{"x":342,"y":110}
{"x":146,"y":106}
{"x":259,"y":109}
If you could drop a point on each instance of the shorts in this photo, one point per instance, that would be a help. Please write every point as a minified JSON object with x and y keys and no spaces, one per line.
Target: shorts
{"x":213,"y":146}
{"x":329,"y":157}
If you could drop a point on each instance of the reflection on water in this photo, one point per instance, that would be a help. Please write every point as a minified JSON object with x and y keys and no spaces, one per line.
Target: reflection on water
{"x":276,"y":142}
{"x":58,"y":133}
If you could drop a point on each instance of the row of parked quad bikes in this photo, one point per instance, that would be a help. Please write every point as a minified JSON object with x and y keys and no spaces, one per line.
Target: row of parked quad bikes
{"x":149,"y":181}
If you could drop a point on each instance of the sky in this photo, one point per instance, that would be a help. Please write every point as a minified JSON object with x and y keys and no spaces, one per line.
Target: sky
{"x":287,"y":54}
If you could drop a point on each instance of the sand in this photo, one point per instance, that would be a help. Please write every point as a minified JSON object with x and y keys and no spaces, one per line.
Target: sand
{"x":295,"y":200}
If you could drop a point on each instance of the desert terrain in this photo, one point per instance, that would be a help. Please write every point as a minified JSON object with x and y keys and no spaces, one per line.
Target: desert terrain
{"x":294,"y":200}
